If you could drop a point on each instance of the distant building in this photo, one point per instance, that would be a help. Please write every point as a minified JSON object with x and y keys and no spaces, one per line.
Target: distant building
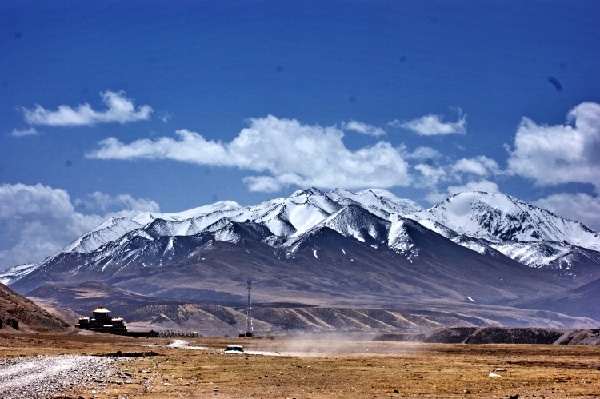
{"x":102,"y":321}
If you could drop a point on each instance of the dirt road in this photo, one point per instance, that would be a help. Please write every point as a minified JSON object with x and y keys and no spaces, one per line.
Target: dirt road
{"x":324,"y":368}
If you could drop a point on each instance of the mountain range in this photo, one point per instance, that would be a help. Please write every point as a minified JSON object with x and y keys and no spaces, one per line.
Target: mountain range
{"x":343,"y":249}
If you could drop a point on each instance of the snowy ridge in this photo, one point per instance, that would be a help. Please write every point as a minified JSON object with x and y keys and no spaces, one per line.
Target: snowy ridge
{"x":185,"y":223}
{"x":379,"y":202}
{"x":108,"y":231}
{"x":16,"y":272}
{"x":548,"y":255}
{"x":536,"y":254}
{"x":533,"y":236}
{"x":354,"y":221}
{"x":502,"y":218}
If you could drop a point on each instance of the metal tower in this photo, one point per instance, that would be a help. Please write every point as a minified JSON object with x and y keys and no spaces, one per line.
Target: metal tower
{"x":249,"y":328}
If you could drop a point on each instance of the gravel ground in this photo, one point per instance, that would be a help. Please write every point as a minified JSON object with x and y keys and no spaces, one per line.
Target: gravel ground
{"x":45,"y":376}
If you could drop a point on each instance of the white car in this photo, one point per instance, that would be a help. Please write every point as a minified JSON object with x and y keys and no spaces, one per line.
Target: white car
{"x":234,"y":349}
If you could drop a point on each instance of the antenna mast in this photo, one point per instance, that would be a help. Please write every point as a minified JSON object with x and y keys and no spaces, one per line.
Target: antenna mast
{"x":249,"y":328}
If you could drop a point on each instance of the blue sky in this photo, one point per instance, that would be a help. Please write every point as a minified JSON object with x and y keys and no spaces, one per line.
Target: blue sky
{"x":111,"y":108}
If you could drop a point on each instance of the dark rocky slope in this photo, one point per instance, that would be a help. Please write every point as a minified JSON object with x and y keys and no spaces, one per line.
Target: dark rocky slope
{"x":28,"y":315}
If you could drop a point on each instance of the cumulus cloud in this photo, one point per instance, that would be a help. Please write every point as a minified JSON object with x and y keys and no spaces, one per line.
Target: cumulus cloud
{"x":37,"y":221}
{"x":567,"y":153}
{"x":579,"y":206}
{"x":120,"y":109}
{"x":272,"y":184}
{"x":432,"y":125}
{"x":444,"y":177}
{"x":121,"y":204}
{"x":363,"y":128}
{"x":284,"y":152}
{"x":480,"y":166}
{"x":430,"y":176}
{"x":424,"y":153}
{"x":24,"y":132}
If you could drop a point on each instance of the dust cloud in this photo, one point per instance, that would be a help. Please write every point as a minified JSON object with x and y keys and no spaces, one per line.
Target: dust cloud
{"x":340,"y":344}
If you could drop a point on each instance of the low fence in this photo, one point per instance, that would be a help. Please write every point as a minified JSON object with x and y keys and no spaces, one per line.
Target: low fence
{"x":175,"y":333}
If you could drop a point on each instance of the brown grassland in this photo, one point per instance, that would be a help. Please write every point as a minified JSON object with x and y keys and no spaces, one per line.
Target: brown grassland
{"x":323,"y":367}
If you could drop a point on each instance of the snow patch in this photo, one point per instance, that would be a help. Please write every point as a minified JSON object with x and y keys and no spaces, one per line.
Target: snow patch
{"x":399,"y":239}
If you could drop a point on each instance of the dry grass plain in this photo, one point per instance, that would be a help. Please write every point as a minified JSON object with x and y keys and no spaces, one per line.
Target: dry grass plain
{"x":324,"y":367}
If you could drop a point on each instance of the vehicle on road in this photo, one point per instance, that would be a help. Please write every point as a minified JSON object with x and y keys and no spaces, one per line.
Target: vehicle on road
{"x":234,"y":349}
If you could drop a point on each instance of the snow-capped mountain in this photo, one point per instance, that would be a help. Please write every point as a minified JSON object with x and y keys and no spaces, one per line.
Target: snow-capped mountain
{"x":284,"y":217}
{"x":494,"y":225}
{"x":502,"y":218}
{"x":337,"y":248}
{"x":526,"y":233}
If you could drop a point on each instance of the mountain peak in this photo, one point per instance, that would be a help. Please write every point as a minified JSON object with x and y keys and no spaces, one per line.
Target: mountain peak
{"x":308,"y":192}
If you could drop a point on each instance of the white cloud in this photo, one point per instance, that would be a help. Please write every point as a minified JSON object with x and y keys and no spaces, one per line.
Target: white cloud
{"x":120,"y":109}
{"x":423,"y":153}
{"x":430,"y":175}
{"x":553,"y":155}
{"x":165,"y":116}
{"x":480,"y":165}
{"x":264,"y":184}
{"x":431,"y":125}
{"x":581,"y":207}
{"x":37,"y":221}
{"x":284,"y":151}
{"x":272,"y":184}
{"x":363,"y":128}
{"x":120,"y":204}
{"x":434,"y":170}
{"x":188,"y":147}
{"x":24,"y":132}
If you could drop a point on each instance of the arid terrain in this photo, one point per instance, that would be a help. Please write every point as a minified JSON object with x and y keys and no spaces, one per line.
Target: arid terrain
{"x":323,"y":366}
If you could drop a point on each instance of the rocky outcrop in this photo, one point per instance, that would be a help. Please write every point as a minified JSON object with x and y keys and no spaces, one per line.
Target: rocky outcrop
{"x":499,"y":335}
